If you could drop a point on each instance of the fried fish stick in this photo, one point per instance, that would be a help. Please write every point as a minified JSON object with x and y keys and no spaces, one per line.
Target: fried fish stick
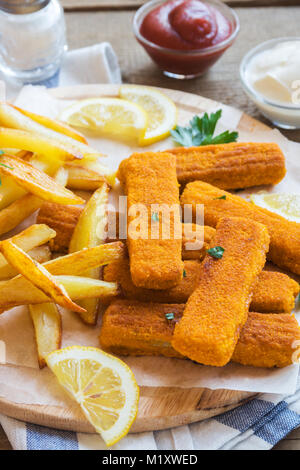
{"x":274,"y":292}
{"x":285,"y":235}
{"x":218,"y":308}
{"x":231,"y":166}
{"x":120,"y":272}
{"x":265,"y":340}
{"x":151,"y":186}
{"x":63,"y":219}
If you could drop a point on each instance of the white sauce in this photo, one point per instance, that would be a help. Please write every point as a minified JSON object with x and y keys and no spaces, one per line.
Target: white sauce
{"x":274,"y":73}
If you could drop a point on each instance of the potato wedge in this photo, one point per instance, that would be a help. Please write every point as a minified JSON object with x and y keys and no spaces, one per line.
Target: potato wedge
{"x":22,"y":140}
{"x":47,"y":326}
{"x":54,"y":124}
{"x":78,"y":287}
{"x":37,"y":275}
{"x":28,"y":239}
{"x":80,"y":177}
{"x":14,"y":119}
{"x":89,"y":232}
{"x":35,"y":181}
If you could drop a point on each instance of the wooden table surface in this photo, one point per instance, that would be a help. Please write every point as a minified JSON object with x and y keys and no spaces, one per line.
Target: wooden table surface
{"x":113,"y":24}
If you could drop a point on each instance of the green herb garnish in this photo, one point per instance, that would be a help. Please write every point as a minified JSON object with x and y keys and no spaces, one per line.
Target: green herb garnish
{"x":169,"y":316}
{"x":201,"y":131}
{"x":155,"y":217}
{"x":184,"y":273}
{"x":221,"y":197}
{"x":216,"y":252}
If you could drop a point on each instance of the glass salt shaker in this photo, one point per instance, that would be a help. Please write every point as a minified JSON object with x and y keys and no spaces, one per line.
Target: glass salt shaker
{"x":32,"y":39}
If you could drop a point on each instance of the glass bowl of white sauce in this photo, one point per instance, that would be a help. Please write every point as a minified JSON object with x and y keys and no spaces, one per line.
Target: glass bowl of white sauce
{"x":270,"y":74}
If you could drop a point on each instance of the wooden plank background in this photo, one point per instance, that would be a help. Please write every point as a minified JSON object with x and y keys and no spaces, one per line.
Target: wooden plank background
{"x":71,"y":5}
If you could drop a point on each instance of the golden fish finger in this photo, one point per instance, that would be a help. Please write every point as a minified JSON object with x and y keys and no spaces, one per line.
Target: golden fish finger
{"x":150,"y":183}
{"x":274,"y":292}
{"x":231,"y":166}
{"x":265,"y":340}
{"x":285,"y":235}
{"x":218,"y":308}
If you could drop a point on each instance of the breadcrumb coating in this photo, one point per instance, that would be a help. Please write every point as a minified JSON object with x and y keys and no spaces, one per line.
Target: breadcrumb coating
{"x":142,"y":329}
{"x":231,"y":166}
{"x":218,"y":308}
{"x":285,"y":235}
{"x":155,"y":263}
{"x":274,"y":292}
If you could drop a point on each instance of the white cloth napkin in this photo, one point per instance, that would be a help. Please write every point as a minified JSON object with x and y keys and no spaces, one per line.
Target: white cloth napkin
{"x":93,"y":64}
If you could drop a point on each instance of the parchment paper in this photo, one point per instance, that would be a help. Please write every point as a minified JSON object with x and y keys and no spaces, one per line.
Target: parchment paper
{"x":21,"y":380}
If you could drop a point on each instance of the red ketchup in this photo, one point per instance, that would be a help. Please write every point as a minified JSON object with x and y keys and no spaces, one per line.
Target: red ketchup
{"x":188,"y":29}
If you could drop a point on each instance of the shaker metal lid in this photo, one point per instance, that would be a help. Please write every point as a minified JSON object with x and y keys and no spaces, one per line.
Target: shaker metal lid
{"x":21,"y":7}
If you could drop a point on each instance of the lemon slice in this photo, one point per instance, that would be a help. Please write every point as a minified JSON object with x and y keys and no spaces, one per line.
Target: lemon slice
{"x":104,"y":387}
{"x":286,"y":205}
{"x":162,"y":112}
{"x":109,"y":116}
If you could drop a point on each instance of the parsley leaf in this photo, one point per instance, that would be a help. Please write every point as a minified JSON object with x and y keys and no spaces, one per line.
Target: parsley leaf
{"x":221,"y":197}
{"x":169,"y":316}
{"x":201,"y":132}
{"x":216,"y":252}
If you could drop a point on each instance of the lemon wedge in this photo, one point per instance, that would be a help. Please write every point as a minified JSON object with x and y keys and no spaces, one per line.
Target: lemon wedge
{"x":286,"y":205}
{"x":162,"y":112}
{"x":103,"y":385}
{"x":112,"y":117}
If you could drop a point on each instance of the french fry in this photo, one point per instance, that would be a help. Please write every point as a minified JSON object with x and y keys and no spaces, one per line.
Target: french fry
{"x":41,"y":254}
{"x":81,"y":261}
{"x":18,"y":211}
{"x":80,"y":177}
{"x":77,"y":287}
{"x":47,"y":326}
{"x":15,"y":119}
{"x":96,"y":166}
{"x":35,"y":181}
{"x":89,"y":232}
{"x":9,"y":188}
{"x":54,"y":124}
{"x":10,"y":191}
{"x":19,"y":291}
{"x":22,"y":140}
{"x":37,"y":275}
{"x":28,"y":239}
{"x":61,"y":177}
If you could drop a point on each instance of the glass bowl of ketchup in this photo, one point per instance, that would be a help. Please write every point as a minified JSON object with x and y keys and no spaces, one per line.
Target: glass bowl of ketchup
{"x":185,"y":37}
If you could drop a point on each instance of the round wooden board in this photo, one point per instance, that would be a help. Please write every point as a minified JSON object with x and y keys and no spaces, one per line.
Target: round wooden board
{"x":159,"y":408}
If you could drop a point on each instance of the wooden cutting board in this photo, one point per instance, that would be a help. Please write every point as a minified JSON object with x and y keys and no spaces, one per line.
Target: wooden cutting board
{"x":162,"y":407}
